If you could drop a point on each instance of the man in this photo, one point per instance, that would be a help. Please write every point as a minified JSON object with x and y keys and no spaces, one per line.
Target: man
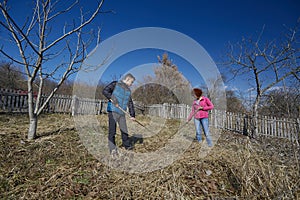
{"x":119,"y":96}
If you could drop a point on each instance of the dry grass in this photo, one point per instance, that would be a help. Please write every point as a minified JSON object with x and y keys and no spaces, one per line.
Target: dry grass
{"x":57,"y":166}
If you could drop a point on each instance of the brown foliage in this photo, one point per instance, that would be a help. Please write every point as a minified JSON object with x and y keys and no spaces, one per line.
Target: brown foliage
{"x":61,"y":168}
{"x":168,"y":85}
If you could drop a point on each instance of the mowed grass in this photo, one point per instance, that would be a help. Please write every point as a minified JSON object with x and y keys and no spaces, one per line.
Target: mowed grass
{"x":58,"y":166}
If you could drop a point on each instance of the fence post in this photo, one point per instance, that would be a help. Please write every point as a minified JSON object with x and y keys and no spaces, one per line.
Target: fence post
{"x":74,"y":105}
{"x":164,"y":112}
{"x":297,"y":132}
{"x":100,"y":107}
{"x":213,"y":118}
{"x":245,"y":129}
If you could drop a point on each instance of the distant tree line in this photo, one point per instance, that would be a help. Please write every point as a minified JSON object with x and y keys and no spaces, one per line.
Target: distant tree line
{"x":12,"y":77}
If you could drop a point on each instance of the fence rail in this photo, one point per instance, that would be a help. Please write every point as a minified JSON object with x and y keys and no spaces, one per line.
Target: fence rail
{"x":17,"y":102}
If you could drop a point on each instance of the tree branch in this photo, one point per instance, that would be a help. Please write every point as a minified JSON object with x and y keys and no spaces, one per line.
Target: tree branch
{"x":11,"y":22}
{"x":77,"y":28}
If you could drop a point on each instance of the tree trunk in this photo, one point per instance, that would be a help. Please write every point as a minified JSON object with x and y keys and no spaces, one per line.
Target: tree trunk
{"x":33,"y":117}
{"x":254,"y":120}
{"x":32,"y":127}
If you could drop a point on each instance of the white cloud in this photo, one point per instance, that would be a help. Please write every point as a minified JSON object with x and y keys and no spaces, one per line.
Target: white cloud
{"x":232,"y":88}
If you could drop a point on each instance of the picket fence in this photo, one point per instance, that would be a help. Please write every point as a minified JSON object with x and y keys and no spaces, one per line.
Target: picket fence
{"x":17,"y":102}
{"x":13,"y":101}
{"x":237,"y":122}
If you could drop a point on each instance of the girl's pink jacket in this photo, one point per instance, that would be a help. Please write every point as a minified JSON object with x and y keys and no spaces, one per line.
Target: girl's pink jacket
{"x":203,"y":113}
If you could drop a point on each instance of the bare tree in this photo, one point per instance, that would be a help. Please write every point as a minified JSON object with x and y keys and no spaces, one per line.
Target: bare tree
{"x":282,"y":102}
{"x":168,"y":75}
{"x":234,"y":103}
{"x":167,"y":86}
{"x":266,"y":63}
{"x":11,"y":77}
{"x":217,"y":93}
{"x":40,"y":46}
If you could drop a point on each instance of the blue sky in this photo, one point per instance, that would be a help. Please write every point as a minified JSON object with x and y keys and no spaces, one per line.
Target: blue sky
{"x":211,"y":23}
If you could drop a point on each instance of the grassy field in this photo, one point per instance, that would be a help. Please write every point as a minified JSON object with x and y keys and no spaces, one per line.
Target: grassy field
{"x":58,"y":166}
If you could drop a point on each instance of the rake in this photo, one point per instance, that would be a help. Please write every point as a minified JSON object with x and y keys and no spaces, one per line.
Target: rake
{"x":128,"y":114}
{"x":183,"y":125}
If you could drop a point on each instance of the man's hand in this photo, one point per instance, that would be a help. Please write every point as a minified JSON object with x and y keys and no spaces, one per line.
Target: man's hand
{"x":116,"y":104}
{"x":132,"y":118}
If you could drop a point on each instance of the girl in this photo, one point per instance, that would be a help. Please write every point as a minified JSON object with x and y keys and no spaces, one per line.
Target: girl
{"x":201,"y":106}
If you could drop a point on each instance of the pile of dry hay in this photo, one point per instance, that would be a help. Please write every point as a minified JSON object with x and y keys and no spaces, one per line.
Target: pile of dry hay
{"x":58,"y":166}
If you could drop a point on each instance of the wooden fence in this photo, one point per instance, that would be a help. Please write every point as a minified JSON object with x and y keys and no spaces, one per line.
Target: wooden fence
{"x":17,"y":102}
{"x":242,"y":123}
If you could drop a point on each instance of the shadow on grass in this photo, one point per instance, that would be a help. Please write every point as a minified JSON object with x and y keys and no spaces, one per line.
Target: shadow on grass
{"x":52,"y":133}
{"x":136,"y":139}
